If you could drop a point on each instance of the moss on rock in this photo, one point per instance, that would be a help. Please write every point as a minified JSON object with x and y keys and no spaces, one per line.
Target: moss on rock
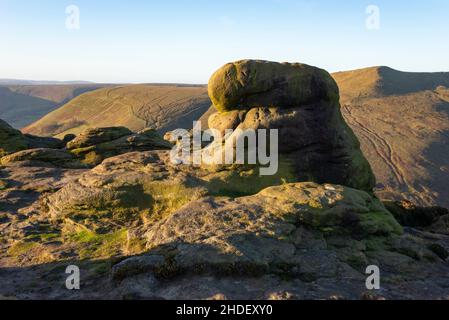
{"x":254,"y":83}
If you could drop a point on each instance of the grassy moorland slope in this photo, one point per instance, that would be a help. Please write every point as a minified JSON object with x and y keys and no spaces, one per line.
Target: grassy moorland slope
{"x":163,"y":107}
{"x":19,"y":109}
{"x":402,"y":121}
{"x":56,"y":93}
{"x":384,"y":81}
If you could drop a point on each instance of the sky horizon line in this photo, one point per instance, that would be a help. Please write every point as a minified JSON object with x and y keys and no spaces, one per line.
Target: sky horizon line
{"x":89,"y":81}
{"x":176,"y":41}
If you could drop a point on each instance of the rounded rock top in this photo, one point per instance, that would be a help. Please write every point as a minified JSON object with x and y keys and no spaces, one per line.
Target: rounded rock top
{"x":247,"y":84}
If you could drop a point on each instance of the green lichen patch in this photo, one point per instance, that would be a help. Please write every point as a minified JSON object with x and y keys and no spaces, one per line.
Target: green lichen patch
{"x":43,"y":237}
{"x":21,"y":248}
{"x":92,"y":245}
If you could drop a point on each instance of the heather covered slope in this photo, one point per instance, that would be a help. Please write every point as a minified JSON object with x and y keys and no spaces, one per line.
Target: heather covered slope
{"x":162,"y":107}
{"x":21,"y":105}
{"x":384,"y":81}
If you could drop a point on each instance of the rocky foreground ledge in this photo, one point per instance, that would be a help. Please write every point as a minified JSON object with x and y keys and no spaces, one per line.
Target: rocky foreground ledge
{"x":292,"y":241}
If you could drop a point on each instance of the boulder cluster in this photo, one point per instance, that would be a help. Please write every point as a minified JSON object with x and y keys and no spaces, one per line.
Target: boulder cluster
{"x":88,"y":149}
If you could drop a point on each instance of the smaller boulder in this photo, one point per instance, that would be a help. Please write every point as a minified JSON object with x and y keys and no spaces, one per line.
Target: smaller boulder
{"x":93,"y":154}
{"x":95,"y":136}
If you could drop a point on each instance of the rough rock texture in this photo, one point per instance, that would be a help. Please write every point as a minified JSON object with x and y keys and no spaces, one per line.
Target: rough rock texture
{"x":254,"y":83}
{"x":42,"y":157}
{"x":12,"y":140}
{"x":95,"y":136}
{"x":146,"y":186}
{"x":266,"y":232}
{"x":301,"y":102}
{"x":95,"y":145}
{"x":294,"y":241}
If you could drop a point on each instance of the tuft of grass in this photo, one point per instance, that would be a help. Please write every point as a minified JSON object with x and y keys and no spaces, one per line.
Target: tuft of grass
{"x":44,"y":237}
{"x":165,"y":199}
{"x":376,"y":243}
{"x":93,"y":245}
{"x":21,"y":248}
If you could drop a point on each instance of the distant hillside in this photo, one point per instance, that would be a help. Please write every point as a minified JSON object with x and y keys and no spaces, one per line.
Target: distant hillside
{"x":164,"y":107}
{"x":384,"y":81}
{"x":20,"y":110}
{"x":20,"y":82}
{"x":402,"y":121}
{"x":55,"y":93}
{"x":21,"y":105}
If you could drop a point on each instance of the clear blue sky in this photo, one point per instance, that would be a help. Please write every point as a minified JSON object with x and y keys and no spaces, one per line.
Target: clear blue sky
{"x":186,"y":40}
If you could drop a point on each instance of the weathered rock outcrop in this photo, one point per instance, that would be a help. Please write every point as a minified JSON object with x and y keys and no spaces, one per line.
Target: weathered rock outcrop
{"x":302,"y":103}
{"x":95,"y":145}
{"x":12,"y":140}
{"x":42,"y":157}
{"x":298,"y":240}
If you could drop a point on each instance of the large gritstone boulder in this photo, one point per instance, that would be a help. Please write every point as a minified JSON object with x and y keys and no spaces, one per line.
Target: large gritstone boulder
{"x":302,"y":103}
